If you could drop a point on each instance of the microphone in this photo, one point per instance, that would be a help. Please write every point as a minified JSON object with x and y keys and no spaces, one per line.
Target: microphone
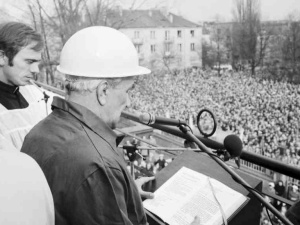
{"x":148,"y":119}
{"x":233,"y":144}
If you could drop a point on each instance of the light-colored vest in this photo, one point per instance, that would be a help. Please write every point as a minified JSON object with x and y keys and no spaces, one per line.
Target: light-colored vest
{"x":15,"y":124}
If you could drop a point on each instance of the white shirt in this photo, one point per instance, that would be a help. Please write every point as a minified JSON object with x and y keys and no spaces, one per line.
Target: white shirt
{"x":25,"y":197}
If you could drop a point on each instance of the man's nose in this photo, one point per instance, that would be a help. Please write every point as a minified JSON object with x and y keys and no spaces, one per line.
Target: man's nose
{"x":128,"y":100}
{"x":34,"y":68}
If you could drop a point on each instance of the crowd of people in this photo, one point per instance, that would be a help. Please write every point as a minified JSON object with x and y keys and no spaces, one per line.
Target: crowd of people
{"x":263,"y":112}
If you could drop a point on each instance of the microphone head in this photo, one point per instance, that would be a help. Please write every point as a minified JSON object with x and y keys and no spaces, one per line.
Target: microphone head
{"x":147,"y":118}
{"x":233,"y":145}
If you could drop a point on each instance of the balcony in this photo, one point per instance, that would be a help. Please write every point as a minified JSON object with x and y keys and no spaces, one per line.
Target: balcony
{"x":137,"y":41}
{"x":169,"y":40}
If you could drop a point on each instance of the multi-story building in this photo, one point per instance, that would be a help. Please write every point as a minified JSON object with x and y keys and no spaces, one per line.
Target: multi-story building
{"x":272,"y":32}
{"x":162,"y":39}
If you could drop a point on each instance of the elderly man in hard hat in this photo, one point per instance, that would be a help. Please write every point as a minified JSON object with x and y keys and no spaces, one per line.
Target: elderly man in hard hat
{"x":76,"y":146}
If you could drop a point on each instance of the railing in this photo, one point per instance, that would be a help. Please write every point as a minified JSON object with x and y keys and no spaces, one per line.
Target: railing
{"x":251,"y":161}
{"x":137,"y":40}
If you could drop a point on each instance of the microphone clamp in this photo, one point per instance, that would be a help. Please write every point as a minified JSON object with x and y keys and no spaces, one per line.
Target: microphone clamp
{"x":132,"y":153}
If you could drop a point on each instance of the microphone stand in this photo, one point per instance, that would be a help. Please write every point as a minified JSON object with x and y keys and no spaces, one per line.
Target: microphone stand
{"x":46,"y":97}
{"x":233,"y":174}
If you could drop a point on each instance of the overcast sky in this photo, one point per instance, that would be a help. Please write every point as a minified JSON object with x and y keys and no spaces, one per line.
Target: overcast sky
{"x":201,"y":10}
{"x":206,"y":10}
{"x":194,"y":10}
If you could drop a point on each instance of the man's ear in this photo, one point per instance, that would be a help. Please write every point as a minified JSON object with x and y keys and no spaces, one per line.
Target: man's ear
{"x":102,"y":91}
{"x":3,"y":58}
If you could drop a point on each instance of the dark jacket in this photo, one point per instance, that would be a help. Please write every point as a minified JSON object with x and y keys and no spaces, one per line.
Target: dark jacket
{"x":86,"y":173}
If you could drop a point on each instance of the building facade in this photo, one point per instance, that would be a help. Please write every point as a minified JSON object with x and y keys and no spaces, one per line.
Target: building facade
{"x":162,"y":40}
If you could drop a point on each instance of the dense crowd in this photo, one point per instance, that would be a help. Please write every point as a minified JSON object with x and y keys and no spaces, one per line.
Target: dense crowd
{"x":265,"y":113}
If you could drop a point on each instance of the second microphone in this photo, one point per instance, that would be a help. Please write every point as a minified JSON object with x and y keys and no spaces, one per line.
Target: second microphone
{"x":147,"y":118}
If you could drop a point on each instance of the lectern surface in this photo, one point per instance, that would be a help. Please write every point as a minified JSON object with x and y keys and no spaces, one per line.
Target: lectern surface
{"x":201,"y":162}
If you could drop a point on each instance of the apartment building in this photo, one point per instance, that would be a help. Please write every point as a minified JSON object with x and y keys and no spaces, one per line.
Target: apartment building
{"x":162,"y":39}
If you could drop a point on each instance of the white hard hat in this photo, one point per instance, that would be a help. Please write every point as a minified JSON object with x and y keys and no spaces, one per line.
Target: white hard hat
{"x":100,"y":51}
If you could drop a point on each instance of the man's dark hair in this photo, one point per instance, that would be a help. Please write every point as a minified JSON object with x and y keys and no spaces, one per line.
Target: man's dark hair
{"x":14,"y":36}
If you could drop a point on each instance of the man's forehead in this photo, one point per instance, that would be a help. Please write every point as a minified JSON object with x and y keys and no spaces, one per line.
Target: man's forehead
{"x":29,"y":52}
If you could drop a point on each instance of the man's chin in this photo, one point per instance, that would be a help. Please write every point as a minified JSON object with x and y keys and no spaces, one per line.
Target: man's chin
{"x":114,"y":124}
{"x":24,"y":82}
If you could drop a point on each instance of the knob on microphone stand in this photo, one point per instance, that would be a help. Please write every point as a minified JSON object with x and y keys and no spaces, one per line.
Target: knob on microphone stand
{"x":133,"y":154}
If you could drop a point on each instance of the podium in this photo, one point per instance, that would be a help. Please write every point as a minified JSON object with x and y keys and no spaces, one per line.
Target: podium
{"x":201,"y":162}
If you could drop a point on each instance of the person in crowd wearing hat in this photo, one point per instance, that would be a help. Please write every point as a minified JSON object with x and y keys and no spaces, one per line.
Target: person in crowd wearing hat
{"x":293,"y":193}
{"x":76,"y":146}
{"x":271,"y":190}
{"x":21,"y":104}
{"x":279,"y":190}
{"x":160,"y":162}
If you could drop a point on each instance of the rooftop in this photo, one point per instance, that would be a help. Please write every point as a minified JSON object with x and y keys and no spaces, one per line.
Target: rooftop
{"x":148,"y":19}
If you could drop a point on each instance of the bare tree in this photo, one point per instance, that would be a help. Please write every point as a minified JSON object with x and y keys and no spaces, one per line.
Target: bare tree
{"x":57,"y":20}
{"x":249,"y":39}
{"x":219,"y":50}
{"x":168,"y":56}
{"x":165,"y":57}
{"x":208,"y":59}
{"x":38,"y":21}
{"x":214,"y":47}
{"x":291,"y":45}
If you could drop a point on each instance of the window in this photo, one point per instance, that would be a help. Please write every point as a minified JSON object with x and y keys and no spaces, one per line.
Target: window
{"x":136,"y":34}
{"x":168,"y":47}
{"x":192,"y":33}
{"x":179,"y":47}
{"x":192,"y":46}
{"x":138,"y":48}
{"x":152,"y":48}
{"x":167,"y":35}
{"x":152,"y":34}
{"x":179,"y":33}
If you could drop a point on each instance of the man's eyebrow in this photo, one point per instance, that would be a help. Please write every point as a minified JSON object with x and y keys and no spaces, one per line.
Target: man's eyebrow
{"x":34,"y":60}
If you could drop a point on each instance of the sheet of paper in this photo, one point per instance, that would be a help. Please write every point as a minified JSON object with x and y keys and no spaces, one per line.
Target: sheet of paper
{"x":187,"y":194}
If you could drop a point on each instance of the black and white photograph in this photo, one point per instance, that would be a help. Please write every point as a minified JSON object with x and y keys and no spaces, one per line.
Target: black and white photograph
{"x":150,"y":112}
